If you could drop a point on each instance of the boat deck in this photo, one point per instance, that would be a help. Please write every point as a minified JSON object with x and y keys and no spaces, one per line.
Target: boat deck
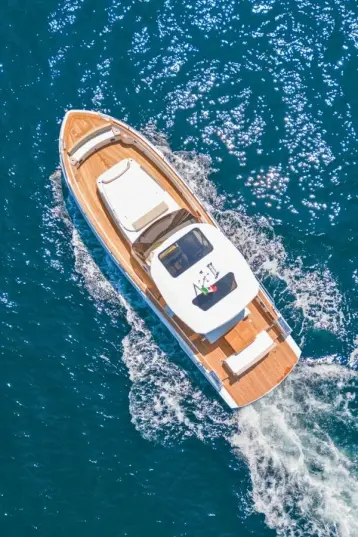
{"x":264,"y":375}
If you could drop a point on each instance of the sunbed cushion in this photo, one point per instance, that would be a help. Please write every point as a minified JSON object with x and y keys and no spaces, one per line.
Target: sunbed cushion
{"x":149,"y":216}
{"x":133,"y":197}
{"x":239,"y":363}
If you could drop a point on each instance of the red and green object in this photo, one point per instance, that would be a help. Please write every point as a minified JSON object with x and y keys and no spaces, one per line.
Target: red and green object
{"x":210,"y":289}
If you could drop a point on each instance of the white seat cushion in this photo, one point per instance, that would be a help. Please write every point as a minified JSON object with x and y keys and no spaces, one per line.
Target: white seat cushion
{"x":240,"y":362}
{"x":92,"y":145}
{"x":133,"y":197}
{"x":149,"y":217}
{"x":115,"y":172}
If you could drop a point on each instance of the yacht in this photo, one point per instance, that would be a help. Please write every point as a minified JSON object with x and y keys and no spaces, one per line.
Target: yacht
{"x":173,"y":252}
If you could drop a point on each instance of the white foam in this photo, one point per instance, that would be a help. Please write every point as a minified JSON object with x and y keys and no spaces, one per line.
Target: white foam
{"x":353,"y":358}
{"x":97,"y":285}
{"x":59,"y":210}
{"x":303,"y":480}
{"x":164,"y":404}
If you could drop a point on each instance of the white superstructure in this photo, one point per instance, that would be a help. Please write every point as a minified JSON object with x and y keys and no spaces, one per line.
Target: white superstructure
{"x":179,"y":292}
{"x":136,"y":200}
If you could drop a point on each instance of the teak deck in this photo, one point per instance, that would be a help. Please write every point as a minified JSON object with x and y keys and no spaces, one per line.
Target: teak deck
{"x":264,"y":375}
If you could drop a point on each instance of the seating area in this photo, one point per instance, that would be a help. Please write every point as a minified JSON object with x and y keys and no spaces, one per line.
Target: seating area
{"x":240,"y":362}
{"x":133,"y":197}
{"x":92,"y":142}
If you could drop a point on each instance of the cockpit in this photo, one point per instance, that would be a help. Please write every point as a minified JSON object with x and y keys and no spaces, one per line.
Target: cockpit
{"x":158,"y":232}
{"x":185,"y":252}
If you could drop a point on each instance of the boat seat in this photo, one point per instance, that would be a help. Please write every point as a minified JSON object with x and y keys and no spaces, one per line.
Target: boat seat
{"x":132,"y":196}
{"x":242,"y":361}
{"x":91,"y":142}
{"x":150,"y":216}
{"x":115,"y":172}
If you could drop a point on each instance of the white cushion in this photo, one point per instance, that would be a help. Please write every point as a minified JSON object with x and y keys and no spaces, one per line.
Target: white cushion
{"x":94,"y":144}
{"x":238,"y":363}
{"x":133,"y":197}
{"x":149,"y":217}
{"x":115,"y":172}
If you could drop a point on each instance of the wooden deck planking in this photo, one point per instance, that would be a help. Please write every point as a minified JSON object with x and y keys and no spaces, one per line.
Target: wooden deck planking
{"x":264,"y":376}
{"x":254,"y":383}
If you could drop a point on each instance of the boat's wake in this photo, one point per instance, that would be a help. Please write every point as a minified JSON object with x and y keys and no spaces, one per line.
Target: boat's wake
{"x":295,"y":441}
{"x":160,"y":390}
{"x":303,"y":477}
{"x":296,"y":444}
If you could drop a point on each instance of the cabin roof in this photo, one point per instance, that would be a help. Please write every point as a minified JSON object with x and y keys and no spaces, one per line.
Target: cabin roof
{"x":212,"y":290}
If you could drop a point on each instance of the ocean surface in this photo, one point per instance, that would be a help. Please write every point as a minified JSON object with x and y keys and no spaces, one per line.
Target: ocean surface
{"x":107,"y":429}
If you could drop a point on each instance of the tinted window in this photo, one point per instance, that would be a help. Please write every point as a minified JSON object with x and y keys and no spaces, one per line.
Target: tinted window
{"x":185,"y":252}
{"x":216,"y":292}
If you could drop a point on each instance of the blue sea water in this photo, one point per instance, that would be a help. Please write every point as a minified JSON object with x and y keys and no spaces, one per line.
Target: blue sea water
{"x":106,"y":428}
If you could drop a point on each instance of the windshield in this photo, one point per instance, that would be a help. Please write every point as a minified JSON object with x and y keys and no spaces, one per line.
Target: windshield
{"x":185,"y":252}
{"x":156,"y":233}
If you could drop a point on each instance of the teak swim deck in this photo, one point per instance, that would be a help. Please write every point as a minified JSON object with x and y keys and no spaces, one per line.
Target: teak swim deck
{"x":82,"y":175}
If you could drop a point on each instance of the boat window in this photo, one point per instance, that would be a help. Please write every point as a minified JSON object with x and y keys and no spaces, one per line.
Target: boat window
{"x":213,"y":294}
{"x":185,"y":252}
{"x":159,"y":231}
